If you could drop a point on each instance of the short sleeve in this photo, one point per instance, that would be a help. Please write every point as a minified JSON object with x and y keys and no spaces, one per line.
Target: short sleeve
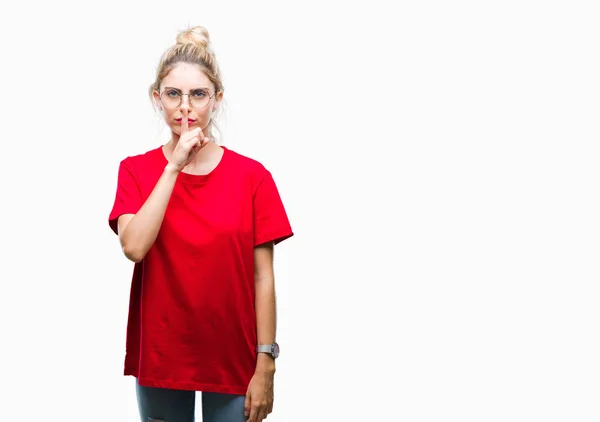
{"x":128,"y":199}
{"x":270,"y":218}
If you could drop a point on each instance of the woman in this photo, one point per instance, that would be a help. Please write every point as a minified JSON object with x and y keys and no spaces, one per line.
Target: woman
{"x":200,"y":221}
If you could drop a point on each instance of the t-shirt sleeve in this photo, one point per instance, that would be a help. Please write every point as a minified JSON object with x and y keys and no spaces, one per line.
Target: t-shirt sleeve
{"x":271,"y":222}
{"x":128,"y":199}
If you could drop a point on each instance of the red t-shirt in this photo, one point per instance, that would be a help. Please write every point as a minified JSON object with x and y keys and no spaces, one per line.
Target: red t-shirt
{"x":192,"y":324}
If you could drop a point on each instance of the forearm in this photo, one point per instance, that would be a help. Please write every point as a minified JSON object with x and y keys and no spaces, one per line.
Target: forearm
{"x":265,"y":320}
{"x":142,"y":230}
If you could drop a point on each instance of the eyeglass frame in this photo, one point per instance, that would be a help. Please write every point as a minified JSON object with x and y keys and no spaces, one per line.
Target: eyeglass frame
{"x":181,"y":94}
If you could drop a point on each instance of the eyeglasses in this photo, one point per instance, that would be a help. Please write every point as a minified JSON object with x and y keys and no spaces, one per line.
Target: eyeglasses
{"x":198,"y":98}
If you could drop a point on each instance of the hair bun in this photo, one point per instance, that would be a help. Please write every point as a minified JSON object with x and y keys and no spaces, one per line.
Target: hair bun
{"x":197,"y":35}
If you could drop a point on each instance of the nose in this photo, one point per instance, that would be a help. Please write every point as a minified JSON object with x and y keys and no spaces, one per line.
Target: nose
{"x":185,"y":102}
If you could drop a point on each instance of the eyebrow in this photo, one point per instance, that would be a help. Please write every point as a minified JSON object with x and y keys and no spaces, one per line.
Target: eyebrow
{"x":193,"y":89}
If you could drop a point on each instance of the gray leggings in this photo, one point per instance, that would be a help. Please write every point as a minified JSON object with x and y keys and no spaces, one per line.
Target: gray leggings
{"x":164,"y":404}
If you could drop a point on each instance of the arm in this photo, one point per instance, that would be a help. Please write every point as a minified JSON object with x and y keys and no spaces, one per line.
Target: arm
{"x":259,"y":397}
{"x":137,"y":232}
{"x":264,"y":282}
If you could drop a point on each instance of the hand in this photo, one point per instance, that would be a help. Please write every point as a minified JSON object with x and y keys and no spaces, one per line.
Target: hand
{"x":259,"y":397}
{"x":190,"y":142}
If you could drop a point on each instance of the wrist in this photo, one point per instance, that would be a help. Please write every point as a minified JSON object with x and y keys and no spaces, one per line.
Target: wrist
{"x":171,"y":168}
{"x":265,"y":363}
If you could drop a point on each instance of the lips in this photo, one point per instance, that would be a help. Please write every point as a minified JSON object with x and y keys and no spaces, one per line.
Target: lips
{"x":190,"y":121}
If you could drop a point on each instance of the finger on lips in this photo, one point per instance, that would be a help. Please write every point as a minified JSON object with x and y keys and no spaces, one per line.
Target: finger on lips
{"x":184,"y":122}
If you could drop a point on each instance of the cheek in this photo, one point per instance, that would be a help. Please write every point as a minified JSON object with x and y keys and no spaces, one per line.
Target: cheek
{"x":168,"y":116}
{"x":206,"y":113}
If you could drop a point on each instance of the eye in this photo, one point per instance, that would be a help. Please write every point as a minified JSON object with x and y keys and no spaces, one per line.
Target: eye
{"x":199,"y":93}
{"x":172,"y":93}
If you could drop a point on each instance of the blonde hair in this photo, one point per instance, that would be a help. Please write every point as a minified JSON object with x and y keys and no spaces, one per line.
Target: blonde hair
{"x":193,"y":46}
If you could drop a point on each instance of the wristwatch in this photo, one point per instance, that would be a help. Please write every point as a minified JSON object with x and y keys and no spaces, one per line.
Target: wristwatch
{"x":272,"y":349}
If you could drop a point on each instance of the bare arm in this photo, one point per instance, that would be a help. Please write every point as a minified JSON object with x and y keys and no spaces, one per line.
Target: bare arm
{"x":137,"y":232}
{"x":264,"y":281}
{"x":259,"y":397}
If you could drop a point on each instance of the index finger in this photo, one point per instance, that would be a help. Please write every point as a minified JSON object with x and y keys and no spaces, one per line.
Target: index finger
{"x":253,"y":414}
{"x":184,"y":121}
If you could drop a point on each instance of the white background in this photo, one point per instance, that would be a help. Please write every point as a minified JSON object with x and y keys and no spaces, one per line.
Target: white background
{"x":438,"y":162}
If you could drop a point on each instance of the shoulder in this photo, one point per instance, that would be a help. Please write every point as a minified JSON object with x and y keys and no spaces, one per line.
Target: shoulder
{"x":143,"y":159}
{"x":248,"y":166}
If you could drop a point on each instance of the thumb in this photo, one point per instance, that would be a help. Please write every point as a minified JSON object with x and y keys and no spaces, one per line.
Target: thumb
{"x":247,"y":404}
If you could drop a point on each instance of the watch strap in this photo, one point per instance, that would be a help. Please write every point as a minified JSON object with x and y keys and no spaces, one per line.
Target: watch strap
{"x":264,"y":348}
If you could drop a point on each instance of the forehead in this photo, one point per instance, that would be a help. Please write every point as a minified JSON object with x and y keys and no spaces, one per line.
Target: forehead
{"x":186,"y":76}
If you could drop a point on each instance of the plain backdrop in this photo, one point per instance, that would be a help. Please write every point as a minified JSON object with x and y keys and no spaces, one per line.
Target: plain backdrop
{"x":438,"y":162}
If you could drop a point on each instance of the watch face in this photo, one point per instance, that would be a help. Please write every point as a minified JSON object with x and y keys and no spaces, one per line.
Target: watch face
{"x":275,"y":350}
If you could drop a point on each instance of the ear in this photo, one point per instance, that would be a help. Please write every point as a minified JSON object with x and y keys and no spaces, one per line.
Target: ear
{"x":218,"y":99}
{"x":156,"y":99}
